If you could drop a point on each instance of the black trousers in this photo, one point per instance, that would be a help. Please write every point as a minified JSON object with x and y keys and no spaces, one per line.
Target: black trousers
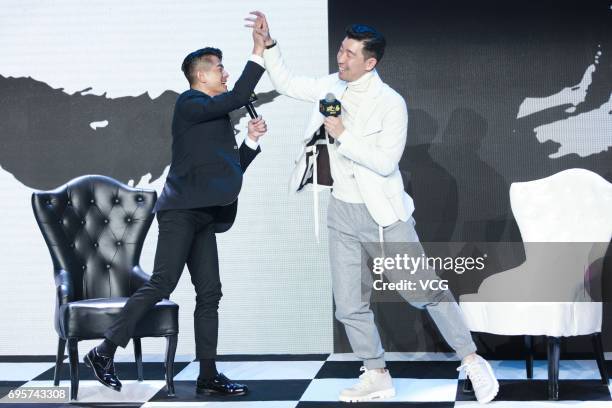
{"x":185,"y":236}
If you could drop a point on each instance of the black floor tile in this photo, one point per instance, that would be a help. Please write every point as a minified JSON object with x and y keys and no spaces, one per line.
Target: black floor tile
{"x":537,"y":390}
{"x":398,"y":369}
{"x":259,"y":390}
{"x":7,"y":386}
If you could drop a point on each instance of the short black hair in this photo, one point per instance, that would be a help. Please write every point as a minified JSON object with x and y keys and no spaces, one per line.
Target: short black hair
{"x":192,"y":60}
{"x":373,"y":41}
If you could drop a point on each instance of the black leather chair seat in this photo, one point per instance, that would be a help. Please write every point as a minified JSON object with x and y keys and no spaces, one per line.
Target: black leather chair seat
{"x":100,"y":313}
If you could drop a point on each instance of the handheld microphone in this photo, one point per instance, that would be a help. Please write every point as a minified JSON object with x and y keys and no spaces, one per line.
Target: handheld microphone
{"x":249,"y":106}
{"x":330,"y":106}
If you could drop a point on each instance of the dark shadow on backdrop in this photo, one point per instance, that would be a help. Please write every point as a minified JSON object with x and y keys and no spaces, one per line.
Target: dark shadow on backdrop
{"x":464,"y":69}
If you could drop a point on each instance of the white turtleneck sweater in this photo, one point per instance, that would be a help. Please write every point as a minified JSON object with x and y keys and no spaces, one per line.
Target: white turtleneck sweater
{"x":345,"y":187}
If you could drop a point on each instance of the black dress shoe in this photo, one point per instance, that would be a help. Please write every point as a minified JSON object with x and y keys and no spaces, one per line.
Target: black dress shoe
{"x":103,"y":368}
{"x":221,"y":385}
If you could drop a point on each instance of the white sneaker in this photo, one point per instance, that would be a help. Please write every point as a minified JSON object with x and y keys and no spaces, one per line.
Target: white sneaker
{"x":483,"y":379}
{"x":372,"y":385}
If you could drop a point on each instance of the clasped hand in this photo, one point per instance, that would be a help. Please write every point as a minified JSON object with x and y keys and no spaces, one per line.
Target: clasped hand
{"x":257,"y":128}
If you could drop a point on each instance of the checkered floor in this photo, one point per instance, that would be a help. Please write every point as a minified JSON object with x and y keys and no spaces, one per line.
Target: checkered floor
{"x":313,"y":381}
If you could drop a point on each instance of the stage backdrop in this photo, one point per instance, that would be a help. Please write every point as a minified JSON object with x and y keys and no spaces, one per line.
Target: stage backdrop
{"x":497,"y":93}
{"x":89,"y":88}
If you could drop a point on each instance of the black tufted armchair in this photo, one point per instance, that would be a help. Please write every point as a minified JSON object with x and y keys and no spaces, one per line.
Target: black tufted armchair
{"x":94,"y":228}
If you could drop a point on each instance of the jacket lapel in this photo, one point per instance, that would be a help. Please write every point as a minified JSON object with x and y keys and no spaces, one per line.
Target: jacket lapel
{"x":365,"y":110}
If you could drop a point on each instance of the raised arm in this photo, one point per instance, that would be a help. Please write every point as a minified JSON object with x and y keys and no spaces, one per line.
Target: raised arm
{"x":284,"y":80}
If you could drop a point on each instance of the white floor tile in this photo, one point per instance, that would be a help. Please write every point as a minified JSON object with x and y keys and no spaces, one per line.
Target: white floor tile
{"x":22,"y":371}
{"x":93,"y":391}
{"x":569,"y":370}
{"x":407,"y":389}
{"x":153,"y":358}
{"x":257,"y":370}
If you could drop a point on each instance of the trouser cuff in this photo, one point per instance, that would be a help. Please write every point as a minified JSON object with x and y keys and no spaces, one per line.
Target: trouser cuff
{"x":465,"y":351}
{"x":374,"y":363}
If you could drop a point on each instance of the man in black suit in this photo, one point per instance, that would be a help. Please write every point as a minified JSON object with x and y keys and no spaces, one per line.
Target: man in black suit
{"x":198,"y":200}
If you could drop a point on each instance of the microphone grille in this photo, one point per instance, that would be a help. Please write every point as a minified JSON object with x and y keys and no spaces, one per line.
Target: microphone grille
{"x":330,"y":97}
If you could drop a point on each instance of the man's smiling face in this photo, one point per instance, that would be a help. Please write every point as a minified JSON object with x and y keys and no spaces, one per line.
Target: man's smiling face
{"x":351,"y":62}
{"x":214,"y":76}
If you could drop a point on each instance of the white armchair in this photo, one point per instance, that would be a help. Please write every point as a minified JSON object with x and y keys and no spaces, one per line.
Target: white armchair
{"x":572,"y":206}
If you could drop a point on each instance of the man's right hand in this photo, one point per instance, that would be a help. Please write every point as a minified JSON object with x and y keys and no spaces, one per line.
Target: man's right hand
{"x":260,"y":26}
{"x":256,"y":128}
{"x":258,"y":42}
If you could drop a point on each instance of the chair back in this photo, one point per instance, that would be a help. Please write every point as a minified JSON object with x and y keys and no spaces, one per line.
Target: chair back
{"x":573,"y":205}
{"x":95,"y":227}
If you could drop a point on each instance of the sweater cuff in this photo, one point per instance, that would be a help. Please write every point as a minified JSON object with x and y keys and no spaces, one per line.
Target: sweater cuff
{"x":273,"y":52}
{"x":257,"y":59}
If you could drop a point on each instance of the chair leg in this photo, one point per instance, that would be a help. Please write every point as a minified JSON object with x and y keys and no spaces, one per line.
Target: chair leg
{"x":599,"y":354}
{"x":529,"y":356}
{"x":59,"y":360}
{"x":170,"y":353}
{"x":554,"y":353}
{"x":73,"y":356}
{"x":138,"y":357}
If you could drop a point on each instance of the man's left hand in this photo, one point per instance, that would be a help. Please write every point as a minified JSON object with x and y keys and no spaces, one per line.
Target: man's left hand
{"x":333,"y":126}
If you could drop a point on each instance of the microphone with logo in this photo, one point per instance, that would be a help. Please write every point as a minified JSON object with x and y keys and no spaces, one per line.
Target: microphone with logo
{"x":330,"y":106}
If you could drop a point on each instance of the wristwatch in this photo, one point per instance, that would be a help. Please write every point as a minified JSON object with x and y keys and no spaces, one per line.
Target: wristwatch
{"x":271,"y":45}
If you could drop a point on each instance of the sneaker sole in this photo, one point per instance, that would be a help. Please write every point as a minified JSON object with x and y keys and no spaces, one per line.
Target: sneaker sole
{"x":89,"y":364}
{"x":213,"y":392}
{"x":390,"y":393}
{"x":489,"y":397}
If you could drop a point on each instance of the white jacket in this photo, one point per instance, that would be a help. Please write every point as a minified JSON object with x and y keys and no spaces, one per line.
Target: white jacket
{"x":375,"y":146}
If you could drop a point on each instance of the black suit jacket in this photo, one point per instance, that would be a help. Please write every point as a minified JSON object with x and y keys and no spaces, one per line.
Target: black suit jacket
{"x":207,"y":165}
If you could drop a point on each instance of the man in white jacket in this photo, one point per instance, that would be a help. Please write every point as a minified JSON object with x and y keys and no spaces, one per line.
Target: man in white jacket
{"x":368,"y":202}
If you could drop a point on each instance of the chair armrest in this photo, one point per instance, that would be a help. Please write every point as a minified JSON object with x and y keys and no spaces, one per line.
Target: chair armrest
{"x":63,"y":287}
{"x":138,"y":278}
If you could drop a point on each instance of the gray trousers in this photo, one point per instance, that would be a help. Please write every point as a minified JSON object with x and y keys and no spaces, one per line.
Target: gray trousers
{"x":350,"y":225}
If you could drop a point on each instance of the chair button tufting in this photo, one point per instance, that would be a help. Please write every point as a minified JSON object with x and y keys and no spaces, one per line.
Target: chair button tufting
{"x":83,"y":267}
{"x":119,"y":243}
{"x":139,"y":198}
{"x":128,"y":219}
{"x":60,"y":222}
{"x":82,"y":222}
{"x":92,"y":201}
{"x":95,"y":244}
{"x":71,"y":245}
{"x":105,"y":221}
{"x":69,"y":202}
{"x":48,"y":202}
{"x":116,"y":201}
{"x":107,"y":266}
